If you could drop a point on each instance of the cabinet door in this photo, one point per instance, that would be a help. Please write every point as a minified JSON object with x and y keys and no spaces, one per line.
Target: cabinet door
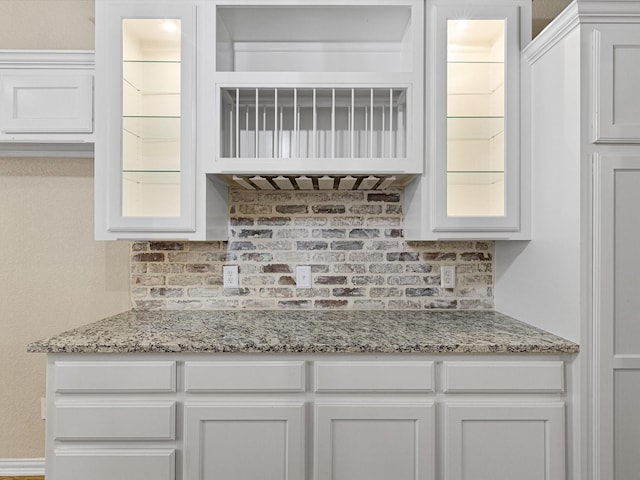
{"x":44,"y":102}
{"x":146,"y":110}
{"x":617,"y":84}
{"x":504,"y":441}
{"x":369,"y":440}
{"x":617,"y":330}
{"x":248,"y":441}
{"x":475,"y":117}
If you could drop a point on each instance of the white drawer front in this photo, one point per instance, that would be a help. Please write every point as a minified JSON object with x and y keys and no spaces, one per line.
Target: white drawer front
{"x":110,"y":464}
{"x":374,"y":376}
{"x":136,"y":376}
{"x":244,"y":376}
{"x":115,"y":421}
{"x":503,"y":377}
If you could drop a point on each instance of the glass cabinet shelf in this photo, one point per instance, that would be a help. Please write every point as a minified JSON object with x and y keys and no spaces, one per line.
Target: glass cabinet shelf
{"x":478,"y":193}
{"x":151,"y":117}
{"x":151,"y":194}
{"x":475,"y":118}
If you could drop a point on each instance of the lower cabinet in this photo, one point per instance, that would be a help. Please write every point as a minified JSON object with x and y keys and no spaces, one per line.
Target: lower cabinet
{"x":244,"y":440}
{"x":374,"y":440}
{"x":504,"y":441}
{"x":307,"y":417}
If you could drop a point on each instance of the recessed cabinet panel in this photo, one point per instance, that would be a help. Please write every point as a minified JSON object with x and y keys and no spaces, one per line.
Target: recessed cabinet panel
{"x":244,"y":440}
{"x":244,"y":376}
{"x":521,"y":377}
{"x":115,"y":420}
{"x":116,"y":376}
{"x":617,"y":84}
{"x":374,"y":376}
{"x":47,"y":103}
{"x":504,"y":441}
{"x":367,"y":440}
{"x":110,"y":464}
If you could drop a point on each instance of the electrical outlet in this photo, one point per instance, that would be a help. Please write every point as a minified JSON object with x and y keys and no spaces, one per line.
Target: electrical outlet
{"x":448,"y":276}
{"x":303,"y":276}
{"x":230,"y":276}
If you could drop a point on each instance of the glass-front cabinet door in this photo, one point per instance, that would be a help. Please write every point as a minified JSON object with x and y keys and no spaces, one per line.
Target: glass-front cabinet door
{"x":476,"y":119}
{"x":145,"y":102}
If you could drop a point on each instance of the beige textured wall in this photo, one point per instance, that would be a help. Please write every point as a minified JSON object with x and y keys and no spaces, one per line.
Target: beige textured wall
{"x":53,"y":275}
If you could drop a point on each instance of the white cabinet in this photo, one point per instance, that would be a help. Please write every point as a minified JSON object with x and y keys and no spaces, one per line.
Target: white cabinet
{"x":315,"y":87}
{"x":578,"y":277}
{"x":504,"y":440}
{"x":250,"y":440}
{"x":365,"y":439}
{"x":617,"y":84}
{"x":306,"y":416}
{"x":112,"y":419}
{"x":148,"y":184}
{"x":616,"y":320}
{"x":474,"y":184}
{"x":46,"y":103}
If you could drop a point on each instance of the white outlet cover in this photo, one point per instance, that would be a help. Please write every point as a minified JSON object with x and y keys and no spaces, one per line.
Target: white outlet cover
{"x":448,"y":276}
{"x":230,"y":276}
{"x":303,"y":276}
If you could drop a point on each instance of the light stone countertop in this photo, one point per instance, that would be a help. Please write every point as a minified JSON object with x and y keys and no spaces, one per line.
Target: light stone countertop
{"x":306,"y":331}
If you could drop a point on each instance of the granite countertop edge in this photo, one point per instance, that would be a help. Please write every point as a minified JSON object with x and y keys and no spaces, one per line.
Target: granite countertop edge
{"x":306,"y":331}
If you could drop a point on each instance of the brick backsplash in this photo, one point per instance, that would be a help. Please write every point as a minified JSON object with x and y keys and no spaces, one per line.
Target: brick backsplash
{"x":353,"y":241}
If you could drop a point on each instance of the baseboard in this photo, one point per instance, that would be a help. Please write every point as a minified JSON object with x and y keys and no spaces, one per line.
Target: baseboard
{"x":21,"y":467}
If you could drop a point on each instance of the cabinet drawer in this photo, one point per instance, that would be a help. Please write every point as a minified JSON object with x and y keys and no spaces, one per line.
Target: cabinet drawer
{"x":109,"y":464}
{"x":244,"y":376}
{"x":136,"y":376}
{"x":373,"y":376}
{"x":513,"y":377}
{"x":115,"y":421}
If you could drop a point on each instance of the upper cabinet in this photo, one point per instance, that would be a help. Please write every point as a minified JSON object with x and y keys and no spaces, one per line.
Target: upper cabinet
{"x":474,"y":184}
{"x":46,"y":103}
{"x":310,"y":94}
{"x":315,"y":87}
{"x":616,"y":116}
{"x":146,"y":153}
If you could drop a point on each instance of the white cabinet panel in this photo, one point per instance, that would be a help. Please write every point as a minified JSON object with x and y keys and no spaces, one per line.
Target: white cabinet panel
{"x":617,"y":377}
{"x":368,"y":440}
{"x":115,"y":420}
{"x":504,"y":441}
{"x":626,"y":422}
{"x":111,"y":464}
{"x":245,"y":376}
{"x":43,"y":102}
{"x":249,"y":441}
{"x":374,"y":376}
{"x":519,"y":377}
{"x":617,"y":84}
{"x":115,"y":377}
